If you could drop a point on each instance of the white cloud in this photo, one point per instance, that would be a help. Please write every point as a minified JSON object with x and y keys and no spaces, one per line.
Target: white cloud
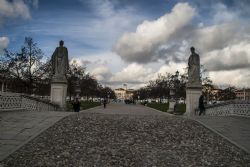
{"x":101,"y":73}
{"x":172,"y":68}
{"x":105,"y":24}
{"x":232,"y":57}
{"x":13,"y":9}
{"x":223,"y":14}
{"x":223,"y":44}
{"x":216,"y":36}
{"x":239,"y":78}
{"x":140,"y":46}
{"x":133,"y":73}
{"x":4,"y":42}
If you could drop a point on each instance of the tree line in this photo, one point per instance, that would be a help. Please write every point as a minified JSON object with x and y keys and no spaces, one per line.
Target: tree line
{"x":161,"y":88}
{"x":29,"y":71}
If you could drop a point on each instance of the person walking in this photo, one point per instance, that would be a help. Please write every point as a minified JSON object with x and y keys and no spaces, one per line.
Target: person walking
{"x":76,"y":105}
{"x":201,"y":105}
{"x":104,"y":103}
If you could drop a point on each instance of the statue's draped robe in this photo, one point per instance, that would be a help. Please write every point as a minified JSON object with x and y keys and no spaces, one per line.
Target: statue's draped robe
{"x":194,"y":68}
{"x":60,"y":62}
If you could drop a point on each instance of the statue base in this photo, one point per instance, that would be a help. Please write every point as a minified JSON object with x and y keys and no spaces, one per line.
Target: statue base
{"x":193,"y":94}
{"x":58,"y":93}
{"x":171,"y":106}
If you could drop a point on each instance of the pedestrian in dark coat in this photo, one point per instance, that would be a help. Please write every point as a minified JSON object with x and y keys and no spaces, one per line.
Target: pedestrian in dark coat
{"x":76,"y":105}
{"x":104,"y":103}
{"x":201,"y":105}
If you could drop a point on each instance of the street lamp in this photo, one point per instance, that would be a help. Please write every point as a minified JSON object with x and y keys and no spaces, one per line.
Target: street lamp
{"x":172,"y":100}
{"x":108,"y":97}
{"x":77,"y":83}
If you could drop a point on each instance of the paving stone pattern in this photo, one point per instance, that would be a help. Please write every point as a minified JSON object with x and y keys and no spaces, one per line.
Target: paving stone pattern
{"x":17,"y":127}
{"x":235,"y":128}
{"x":124,"y":135}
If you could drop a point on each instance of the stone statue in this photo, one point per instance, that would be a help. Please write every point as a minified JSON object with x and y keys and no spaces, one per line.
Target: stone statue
{"x":193,"y":68}
{"x":59,"y":85}
{"x":60,"y":62}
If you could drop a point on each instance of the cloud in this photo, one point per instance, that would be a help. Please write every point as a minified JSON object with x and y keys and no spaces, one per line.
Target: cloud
{"x":221,"y":40}
{"x":223,"y":14}
{"x":133,"y":73}
{"x":101,"y":73}
{"x":35,"y":3}
{"x":107,"y":22}
{"x":172,"y":68}
{"x":14,"y":9}
{"x":141,"y":46}
{"x":80,"y":62}
{"x":4,"y":42}
{"x":216,"y":36}
{"x":226,"y":38}
{"x":239,"y":78}
{"x":232,"y":57}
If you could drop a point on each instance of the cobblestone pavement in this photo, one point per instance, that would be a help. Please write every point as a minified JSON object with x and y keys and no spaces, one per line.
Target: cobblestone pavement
{"x":125,"y":135}
{"x":16,"y":128}
{"x":235,"y":128}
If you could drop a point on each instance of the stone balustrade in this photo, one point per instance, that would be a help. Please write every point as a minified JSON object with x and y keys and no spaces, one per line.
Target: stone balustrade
{"x":232,"y":107}
{"x":12,"y":101}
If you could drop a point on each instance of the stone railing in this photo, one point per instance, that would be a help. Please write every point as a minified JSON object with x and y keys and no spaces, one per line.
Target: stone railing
{"x":232,"y":107}
{"x":11,"y":101}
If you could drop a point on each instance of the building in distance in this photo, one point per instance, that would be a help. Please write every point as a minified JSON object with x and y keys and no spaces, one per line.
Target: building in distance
{"x":243,"y":94}
{"x":124,"y":93}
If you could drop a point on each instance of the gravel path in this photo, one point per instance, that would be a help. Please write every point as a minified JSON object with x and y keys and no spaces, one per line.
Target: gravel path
{"x":96,"y":139}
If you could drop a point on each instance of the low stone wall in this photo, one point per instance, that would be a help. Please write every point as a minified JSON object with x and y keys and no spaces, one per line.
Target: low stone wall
{"x":232,"y":107}
{"x":12,"y":101}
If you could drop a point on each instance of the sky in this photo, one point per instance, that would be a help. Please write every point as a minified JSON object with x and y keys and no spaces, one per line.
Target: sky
{"x":132,"y":42}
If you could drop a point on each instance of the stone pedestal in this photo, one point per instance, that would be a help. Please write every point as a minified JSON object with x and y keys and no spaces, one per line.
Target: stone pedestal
{"x":193,"y":94}
{"x":58,"y":92}
{"x":171,"y":106}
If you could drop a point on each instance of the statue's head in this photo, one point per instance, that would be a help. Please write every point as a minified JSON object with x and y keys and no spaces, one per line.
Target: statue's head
{"x":192,"y":49}
{"x":61,"y":43}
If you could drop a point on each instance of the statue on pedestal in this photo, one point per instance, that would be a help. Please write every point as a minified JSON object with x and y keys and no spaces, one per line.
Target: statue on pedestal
{"x":60,"y":63}
{"x":194,"y":68}
{"x":60,"y":66}
{"x":194,"y":87}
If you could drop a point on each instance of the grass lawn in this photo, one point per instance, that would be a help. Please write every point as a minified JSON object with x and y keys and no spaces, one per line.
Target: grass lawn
{"x":84,"y":105}
{"x":181,"y":108}
{"x":159,"y":106}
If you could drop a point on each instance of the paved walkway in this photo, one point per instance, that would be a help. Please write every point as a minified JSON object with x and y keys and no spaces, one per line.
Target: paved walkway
{"x":120,"y":135}
{"x":19,"y":127}
{"x":233,"y":128}
{"x":125,"y":109}
{"x":236,"y":129}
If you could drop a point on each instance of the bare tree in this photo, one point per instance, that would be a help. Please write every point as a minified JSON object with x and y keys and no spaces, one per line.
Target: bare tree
{"x":25,"y":66}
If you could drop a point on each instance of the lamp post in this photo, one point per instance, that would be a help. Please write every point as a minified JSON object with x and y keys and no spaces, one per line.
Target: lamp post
{"x":108,"y":97}
{"x":172,"y":98}
{"x":77,"y":83}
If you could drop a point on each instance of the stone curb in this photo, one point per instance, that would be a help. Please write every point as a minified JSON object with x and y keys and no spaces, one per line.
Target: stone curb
{"x":31,"y":138}
{"x":231,"y":141}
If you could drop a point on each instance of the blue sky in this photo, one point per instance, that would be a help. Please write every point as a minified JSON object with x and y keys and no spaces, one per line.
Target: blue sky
{"x":127,"y":41}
